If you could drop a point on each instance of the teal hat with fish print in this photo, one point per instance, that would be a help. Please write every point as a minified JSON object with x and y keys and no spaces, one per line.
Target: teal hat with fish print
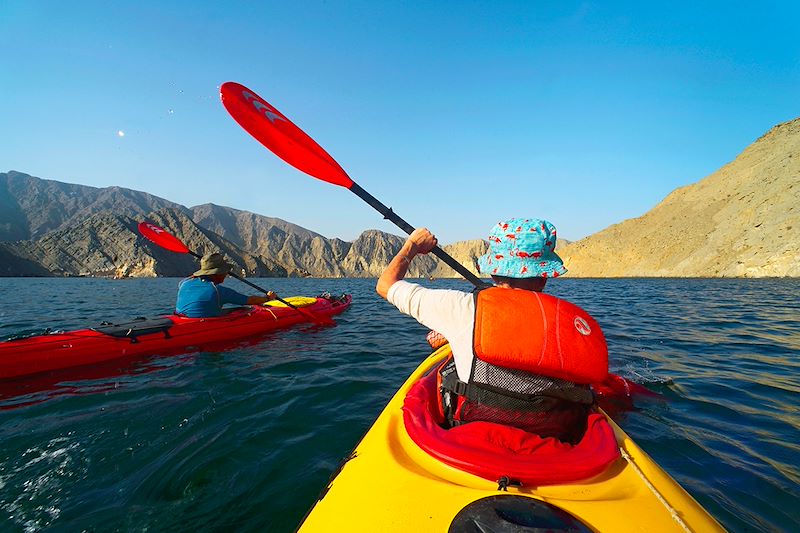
{"x":522,"y":248}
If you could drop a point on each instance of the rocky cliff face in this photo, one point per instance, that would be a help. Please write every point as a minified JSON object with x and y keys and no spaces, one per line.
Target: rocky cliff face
{"x":245,"y":229}
{"x":203,"y":241}
{"x":741,"y":221}
{"x":13,"y":263}
{"x":109,"y":245}
{"x":466,"y":253}
{"x":31,"y":207}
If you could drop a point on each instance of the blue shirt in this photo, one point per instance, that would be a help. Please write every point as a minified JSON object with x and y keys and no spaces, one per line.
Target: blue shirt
{"x":202,"y":298}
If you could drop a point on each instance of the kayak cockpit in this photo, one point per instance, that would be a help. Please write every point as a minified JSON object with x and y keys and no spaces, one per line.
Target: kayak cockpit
{"x":502,"y":453}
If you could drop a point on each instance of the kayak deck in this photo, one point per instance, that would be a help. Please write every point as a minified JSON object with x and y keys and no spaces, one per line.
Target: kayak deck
{"x":390,"y":484}
{"x":170,"y":334}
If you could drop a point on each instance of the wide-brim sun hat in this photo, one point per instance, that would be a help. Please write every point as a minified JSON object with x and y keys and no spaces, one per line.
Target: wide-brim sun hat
{"x":522,"y":248}
{"x":212,"y":264}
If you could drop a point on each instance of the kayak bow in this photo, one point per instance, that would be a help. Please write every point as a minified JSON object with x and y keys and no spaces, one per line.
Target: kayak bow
{"x":390,"y":484}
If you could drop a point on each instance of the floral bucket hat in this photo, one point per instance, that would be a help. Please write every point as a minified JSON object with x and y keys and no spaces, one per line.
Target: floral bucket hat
{"x":522,"y":248}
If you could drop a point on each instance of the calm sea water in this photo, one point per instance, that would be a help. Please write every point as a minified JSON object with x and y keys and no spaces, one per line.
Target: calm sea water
{"x":244,"y":440}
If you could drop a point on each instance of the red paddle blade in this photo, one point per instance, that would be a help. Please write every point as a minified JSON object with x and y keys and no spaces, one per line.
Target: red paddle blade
{"x":161,"y":237}
{"x":272,"y":129}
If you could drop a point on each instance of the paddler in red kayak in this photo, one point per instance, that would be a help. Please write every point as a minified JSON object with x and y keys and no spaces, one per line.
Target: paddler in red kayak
{"x":520,"y":357}
{"x":202,"y":295}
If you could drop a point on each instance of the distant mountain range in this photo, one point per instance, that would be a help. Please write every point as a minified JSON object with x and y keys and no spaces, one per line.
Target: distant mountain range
{"x":741,"y":221}
{"x":49,"y":228}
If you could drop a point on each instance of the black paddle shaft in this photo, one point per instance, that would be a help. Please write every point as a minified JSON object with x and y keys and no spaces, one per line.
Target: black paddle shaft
{"x":391,"y":216}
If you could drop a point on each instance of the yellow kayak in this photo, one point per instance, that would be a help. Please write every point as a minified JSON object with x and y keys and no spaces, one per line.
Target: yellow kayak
{"x":390,"y":484}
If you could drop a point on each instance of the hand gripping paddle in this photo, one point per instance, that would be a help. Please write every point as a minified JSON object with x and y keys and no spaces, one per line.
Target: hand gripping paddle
{"x":161,"y":237}
{"x":272,"y":129}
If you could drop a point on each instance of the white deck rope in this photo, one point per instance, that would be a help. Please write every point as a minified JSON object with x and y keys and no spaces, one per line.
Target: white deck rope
{"x":654,"y":490}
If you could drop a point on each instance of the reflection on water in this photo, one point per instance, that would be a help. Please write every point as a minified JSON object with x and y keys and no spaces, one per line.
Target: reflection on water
{"x":244,"y":438}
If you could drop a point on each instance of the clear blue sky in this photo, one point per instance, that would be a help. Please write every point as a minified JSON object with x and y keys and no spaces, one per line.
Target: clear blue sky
{"x":457,"y":114}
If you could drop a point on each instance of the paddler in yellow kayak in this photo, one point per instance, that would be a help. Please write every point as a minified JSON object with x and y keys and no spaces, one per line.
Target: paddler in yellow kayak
{"x":202,"y":295}
{"x":516,"y":360}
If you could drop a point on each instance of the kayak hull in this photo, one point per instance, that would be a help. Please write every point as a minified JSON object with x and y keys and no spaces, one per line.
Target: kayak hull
{"x":55,"y":351}
{"x":390,"y":484}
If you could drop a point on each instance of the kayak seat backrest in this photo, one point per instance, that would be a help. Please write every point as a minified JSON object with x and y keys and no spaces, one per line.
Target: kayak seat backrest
{"x":497,"y":452}
{"x":137,"y":328}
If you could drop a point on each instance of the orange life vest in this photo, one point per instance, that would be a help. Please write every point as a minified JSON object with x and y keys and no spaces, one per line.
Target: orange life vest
{"x":534,"y":358}
{"x":539,"y":333}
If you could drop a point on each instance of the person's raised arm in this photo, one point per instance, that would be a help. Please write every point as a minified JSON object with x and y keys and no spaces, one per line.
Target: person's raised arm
{"x":421,"y":241}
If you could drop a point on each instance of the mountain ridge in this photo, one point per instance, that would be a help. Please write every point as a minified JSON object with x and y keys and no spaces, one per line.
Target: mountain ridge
{"x":740,"y":221}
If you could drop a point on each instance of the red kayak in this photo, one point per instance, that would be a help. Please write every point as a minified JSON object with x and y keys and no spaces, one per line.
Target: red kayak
{"x":167,"y":334}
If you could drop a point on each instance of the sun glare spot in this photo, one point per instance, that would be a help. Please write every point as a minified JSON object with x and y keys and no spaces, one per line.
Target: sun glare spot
{"x":120,"y":133}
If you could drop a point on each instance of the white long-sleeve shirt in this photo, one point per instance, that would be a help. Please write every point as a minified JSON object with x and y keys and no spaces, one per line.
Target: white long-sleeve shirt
{"x":450,"y":312}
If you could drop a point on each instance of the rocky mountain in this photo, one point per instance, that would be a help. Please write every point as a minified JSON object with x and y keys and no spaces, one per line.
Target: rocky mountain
{"x":31,"y":207}
{"x":12,"y":264}
{"x":297,"y":248}
{"x":306,"y":252}
{"x":466,"y":253}
{"x":741,"y":221}
{"x":110,"y":245}
{"x":75,"y":230}
{"x":244,"y":228}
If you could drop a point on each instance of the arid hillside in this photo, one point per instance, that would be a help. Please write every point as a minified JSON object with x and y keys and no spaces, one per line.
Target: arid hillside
{"x":741,"y":221}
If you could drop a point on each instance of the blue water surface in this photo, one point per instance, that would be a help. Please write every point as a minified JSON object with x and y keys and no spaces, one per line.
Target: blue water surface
{"x":246,"y":438}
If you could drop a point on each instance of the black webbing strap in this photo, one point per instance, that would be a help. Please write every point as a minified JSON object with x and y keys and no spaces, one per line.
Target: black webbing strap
{"x":488,"y":395}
